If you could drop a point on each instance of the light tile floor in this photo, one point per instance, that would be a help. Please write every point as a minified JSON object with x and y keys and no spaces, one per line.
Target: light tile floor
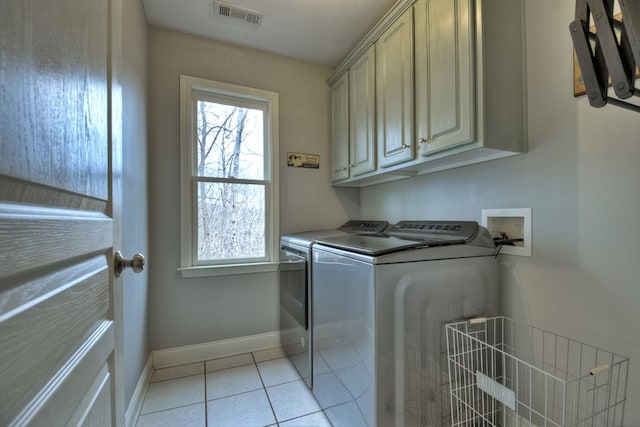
{"x":249,"y":390}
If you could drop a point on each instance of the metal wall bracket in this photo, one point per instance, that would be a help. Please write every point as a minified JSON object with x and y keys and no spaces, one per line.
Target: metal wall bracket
{"x":602,"y":54}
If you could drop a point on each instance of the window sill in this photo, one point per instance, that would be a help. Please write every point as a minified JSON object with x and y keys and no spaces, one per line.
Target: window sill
{"x":227,"y":270}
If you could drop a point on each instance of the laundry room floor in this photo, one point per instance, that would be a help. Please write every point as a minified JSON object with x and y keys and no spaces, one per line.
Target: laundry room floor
{"x":253,"y":389}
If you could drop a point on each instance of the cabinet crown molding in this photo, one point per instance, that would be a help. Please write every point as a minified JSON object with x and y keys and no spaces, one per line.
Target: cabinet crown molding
{"x":387,"y":20}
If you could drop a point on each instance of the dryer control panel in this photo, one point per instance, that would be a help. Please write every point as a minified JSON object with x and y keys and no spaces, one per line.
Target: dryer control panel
{"x":364,"y":227}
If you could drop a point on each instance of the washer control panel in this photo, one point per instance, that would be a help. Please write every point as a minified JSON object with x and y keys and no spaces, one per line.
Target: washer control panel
{"x":458,"y":230}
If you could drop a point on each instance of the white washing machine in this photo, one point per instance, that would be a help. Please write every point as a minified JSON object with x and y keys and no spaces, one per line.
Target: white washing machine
{"x":379,"y":305}
{"x":295,"y":289}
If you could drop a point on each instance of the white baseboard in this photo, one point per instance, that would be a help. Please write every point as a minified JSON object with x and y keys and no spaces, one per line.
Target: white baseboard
{"x":135,"y":405}
{"x":213,"y":350}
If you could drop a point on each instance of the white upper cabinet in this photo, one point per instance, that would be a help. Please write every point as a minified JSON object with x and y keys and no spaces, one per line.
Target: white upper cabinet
{"x":340,"y":129}
{"x":449,"y":90}
{"x":444,"y":83}
{"x":394,"y":92}
{"x":362,"y":115}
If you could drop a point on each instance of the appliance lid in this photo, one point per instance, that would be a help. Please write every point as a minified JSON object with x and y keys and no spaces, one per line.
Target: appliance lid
{"x":406,"y":235}
{"x":367,"y":244}
{"x":307,"y":238}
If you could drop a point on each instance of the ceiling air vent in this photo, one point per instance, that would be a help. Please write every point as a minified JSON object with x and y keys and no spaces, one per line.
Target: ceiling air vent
{"x":230,"y":11}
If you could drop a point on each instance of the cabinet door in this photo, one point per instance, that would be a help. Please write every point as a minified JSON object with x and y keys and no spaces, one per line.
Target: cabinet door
{"x":340,"y":129}
{"x":394,"y":92}
{"x":362,"y":114}
{"x":445,"y":89}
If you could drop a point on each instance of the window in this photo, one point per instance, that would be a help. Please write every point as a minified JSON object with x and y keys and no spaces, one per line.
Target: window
{"x":229,"y":200}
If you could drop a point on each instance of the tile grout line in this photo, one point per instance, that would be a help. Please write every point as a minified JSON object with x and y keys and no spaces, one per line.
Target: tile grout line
{"x":169,"y":409}
{"x":264,"y":387}
{"x":278,"y":422}
{"x":203,"y":372}
{"x":206,"y":407}
{"x":157,"y":411}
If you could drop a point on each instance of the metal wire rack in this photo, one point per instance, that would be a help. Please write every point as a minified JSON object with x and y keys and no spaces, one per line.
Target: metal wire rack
{"x":506,"y":373}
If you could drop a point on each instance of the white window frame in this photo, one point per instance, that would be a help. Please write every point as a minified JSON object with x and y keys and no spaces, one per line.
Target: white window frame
{"x":189,"y":88}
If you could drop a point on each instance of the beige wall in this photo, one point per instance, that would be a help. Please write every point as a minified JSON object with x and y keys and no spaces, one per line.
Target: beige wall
{"x":581,"y":177}
{"x":194,"y":311}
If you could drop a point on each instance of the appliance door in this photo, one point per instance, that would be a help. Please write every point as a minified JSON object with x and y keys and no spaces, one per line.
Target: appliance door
{"x":344,"y":338}
{"x":295,"y":333}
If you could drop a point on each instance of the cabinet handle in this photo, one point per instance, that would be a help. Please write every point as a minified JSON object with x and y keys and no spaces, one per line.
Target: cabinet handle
{"x":344,"y":168}
{"x":424,"y":140}
{"x":405,"y":146}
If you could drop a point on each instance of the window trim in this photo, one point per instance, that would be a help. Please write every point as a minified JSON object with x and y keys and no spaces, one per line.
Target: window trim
{"x":188,"y":267}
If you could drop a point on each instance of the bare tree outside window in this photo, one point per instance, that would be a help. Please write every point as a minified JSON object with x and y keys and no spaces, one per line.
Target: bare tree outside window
{"x":230,"y":171}
{"x":229,"y":209}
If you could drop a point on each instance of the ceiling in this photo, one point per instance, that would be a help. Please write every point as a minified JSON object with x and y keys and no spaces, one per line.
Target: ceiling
{"x":318,"y":31}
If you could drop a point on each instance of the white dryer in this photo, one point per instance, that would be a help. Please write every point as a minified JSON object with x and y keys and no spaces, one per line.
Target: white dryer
{"x":295,"y":289}
{"x":379,"y":305}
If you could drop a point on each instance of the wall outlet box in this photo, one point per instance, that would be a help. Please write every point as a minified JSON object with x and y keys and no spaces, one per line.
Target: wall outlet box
{"x":515,"y":223}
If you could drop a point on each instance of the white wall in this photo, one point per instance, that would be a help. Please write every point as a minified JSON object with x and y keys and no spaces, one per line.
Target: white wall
{"x":194,"y":311}
{"x":135,"y":203}
{"x":581,"y":177}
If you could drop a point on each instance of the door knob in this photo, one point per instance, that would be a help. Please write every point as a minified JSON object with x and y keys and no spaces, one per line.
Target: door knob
{"x":120,"y":263}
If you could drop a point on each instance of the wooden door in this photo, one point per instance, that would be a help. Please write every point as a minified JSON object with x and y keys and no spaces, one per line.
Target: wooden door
{"x":340,"y":128}
{"x":444,"y":74}
{"x":60,"y":307}
{"x":394,"y":92}
{"x":362,"y":114}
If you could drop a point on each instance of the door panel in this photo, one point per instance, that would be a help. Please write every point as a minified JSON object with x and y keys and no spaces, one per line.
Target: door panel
{"x":35,"y":236}
{"x":91,"y":411}
{"x":394,"y":92}
{"x":444,"y":87}
{"x":64,"y":397}
{"x":59,"y":195}
{"x":340,"y":129}
{"x":65,"y":317}
{"x":362,"y":104}
{"x":54,"y":70}
{"x":444,"y":74}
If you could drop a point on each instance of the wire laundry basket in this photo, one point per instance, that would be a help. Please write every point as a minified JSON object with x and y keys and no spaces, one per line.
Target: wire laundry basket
{"x":506,"y":373}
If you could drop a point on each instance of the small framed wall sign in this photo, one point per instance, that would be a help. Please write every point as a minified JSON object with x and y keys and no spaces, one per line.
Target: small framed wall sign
{"x":301,"y":160}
